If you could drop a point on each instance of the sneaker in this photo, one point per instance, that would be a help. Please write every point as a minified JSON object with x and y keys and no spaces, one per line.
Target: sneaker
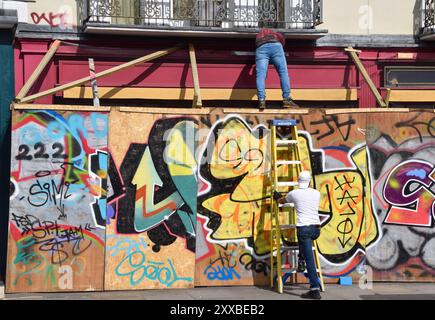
{"x":312,"y":294}
{"x":289,"y":103}
{"x":261,"y":104}
{"x":301,"y":266}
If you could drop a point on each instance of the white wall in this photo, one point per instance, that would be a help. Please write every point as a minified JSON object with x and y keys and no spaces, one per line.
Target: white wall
{"x":366,"y":17}
{"x":58,"y":13}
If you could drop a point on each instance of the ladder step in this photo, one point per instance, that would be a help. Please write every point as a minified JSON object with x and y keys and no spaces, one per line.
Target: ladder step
{"x":283,"y":122}
{"x":287,"y":184}
{"x":288,"y":162}
{"x":288,"y":249}
{"x":287,"y":226}
{"x":285,"y":142}
{"x":286,"y":205}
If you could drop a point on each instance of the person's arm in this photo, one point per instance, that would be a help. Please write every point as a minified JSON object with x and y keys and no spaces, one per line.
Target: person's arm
{"x":278,"y":198}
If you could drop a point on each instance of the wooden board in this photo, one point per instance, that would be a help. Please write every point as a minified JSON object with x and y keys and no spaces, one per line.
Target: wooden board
{"x":215,"y":176}
{"x":211,"y":94}
{"x":57,"y":202}
{"x":402,"y":150}
{"x":152,"y":202}
{"x":232,"y":233}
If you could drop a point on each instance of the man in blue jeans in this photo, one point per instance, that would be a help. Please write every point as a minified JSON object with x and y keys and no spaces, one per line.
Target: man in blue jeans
{"x":270,"y":48}
{"x":306,"y":201}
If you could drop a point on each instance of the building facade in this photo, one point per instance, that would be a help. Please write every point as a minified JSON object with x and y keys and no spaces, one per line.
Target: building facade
{"x":8,"y":23}
{"x":199,"y":219}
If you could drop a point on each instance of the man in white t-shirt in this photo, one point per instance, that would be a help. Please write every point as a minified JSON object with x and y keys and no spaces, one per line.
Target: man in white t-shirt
{"x":306,"y":201}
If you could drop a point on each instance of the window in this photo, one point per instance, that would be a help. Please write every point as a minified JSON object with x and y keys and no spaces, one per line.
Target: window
{"x":396,"y":77}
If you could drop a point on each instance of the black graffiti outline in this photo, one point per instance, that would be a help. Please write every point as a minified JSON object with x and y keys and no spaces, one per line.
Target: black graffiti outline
{"x":334,"y":119}
{"x":408,"y":123}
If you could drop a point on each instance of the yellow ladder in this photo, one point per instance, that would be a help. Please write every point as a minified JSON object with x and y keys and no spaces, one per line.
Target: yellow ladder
{"x":286,"y":165}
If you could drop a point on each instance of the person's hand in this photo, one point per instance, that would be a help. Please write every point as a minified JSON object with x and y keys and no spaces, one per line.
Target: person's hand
{"x":276,"y":195}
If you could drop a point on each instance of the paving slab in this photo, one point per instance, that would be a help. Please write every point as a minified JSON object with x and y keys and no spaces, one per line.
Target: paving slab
{"x":379,"y":291}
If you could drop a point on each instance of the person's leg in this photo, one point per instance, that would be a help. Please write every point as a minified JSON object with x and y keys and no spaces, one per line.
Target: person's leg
{"x":307,"y":249}
{"x":301,"y":258}
{"x":280,"y":63}
{"x":261,"y":65}
{"x":302,"y":237}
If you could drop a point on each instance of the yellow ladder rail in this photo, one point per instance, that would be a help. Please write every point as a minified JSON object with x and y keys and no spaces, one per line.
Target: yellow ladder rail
{"x":294,"y":167}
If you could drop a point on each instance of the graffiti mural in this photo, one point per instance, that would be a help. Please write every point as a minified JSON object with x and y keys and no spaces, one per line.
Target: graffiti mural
{"x":177,"y":201}
{"x":152,"y":204}
{"x":234,"y":204}
{"x":57,"y":201}
{"x":402,"y":157}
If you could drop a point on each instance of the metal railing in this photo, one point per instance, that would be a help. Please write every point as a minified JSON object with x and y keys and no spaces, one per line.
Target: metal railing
{"x":429,"y":16}
{"x":284,"y":14}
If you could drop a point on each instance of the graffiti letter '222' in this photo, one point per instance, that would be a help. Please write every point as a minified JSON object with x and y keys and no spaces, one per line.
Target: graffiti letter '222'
{"x":409,"y":191}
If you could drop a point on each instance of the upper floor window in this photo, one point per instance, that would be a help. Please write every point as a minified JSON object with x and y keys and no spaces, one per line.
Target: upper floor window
{"x":409,"y":76}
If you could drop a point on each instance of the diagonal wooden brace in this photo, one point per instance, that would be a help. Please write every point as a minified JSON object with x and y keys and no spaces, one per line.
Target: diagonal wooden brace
{"x":197,"y":100}
{"x":37,"y":72}
{"x":353,"y":53}
{"x":107,"y":72}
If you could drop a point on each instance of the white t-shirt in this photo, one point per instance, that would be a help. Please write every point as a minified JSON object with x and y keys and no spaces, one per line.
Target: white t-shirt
{"x":306,"y":203}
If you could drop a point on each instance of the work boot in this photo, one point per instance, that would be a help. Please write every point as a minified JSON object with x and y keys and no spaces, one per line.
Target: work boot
{"x":261,"y":104}
{"x":301,"y":266}
{"x":312,"y":294}
{"x":289,"y":103}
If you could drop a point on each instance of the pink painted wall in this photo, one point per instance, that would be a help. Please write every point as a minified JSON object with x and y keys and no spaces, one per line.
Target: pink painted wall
{"x":219,"y":67}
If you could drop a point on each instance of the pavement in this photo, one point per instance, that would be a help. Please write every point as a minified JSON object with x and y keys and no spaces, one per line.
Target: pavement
{"x":379,"y":291}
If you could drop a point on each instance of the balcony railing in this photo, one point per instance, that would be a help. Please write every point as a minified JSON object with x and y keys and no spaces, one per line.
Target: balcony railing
{"x":429,"y":16}
{"x":191,"y":14}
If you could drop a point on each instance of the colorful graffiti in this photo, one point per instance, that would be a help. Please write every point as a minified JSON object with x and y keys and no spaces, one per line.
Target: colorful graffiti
{"x":57,"y":203}
{"x":411,"y":206}
{"x":160,"y":186}
{"x":237,"y":170}
{"x":165,"y":202}
{"x":152,"y":207}
{"x":402,"y":168}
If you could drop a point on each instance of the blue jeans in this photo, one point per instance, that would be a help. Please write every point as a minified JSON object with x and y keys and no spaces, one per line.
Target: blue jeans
{"x":306,"y":235}
{"x":271,"y":52}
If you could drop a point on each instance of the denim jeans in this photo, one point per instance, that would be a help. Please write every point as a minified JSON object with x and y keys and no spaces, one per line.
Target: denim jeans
{"x":306,"y":235}
{"x":271,"y":52}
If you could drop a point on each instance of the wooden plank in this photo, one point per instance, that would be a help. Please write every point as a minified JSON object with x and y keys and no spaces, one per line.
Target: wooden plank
{"x":365,"y":110}
{"x":26,"y":106}
{"x":36,"y":73}
{"x":197,"y":101}
{"x":137,"y":144}
{"x":211,"y":94}
{"x":104,"y":73}
{"x":266,"y":111}
{"x":184,"y":111}
{"x":94,"y":85}
{"x":366,"y":76}
{"x":387,"y":97}
{"x":412,"y":96}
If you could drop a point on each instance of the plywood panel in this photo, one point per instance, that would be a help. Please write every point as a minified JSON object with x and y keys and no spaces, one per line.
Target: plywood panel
{"x":58,"y":201}
{"x":152,"y":202}
{"x":402,"y":163}
{"x":232,"y":234}
{"x":187,"y":197}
